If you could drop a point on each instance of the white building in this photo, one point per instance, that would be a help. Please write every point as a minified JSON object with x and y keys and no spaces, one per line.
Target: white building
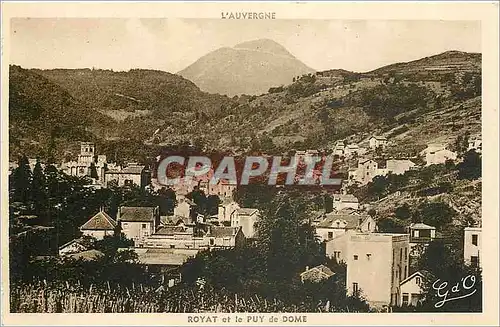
{"x":399,"y":167}
{"x":184,"y":208}
{"x":351,"y":149}
{"x":475,"y":144}
{"x":365,"y":172}
{"x":472,"y":246}
{"x":138,"y":223}
{"x":338,"y":149}
{"x":87,"y":157}
{"x":378,"y":142}
{"x":133,"y":174}
{"x":334,"y":225}
{"x":100,"y":225}
{"x":376,"y":264}
{"x":246,"y":219}
{"x":226,"y":209}
{"x":410,"y":289}
{"x":343,"y":201}
{"x":437,"y":154}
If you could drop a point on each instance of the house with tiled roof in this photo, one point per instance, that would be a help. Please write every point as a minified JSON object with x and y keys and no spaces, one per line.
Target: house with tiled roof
{"x":133,"y":174}
{"x":336,"y":224}
{"x":437,"y":154}
{"x":411,"y":288}
{"x":316,"y":274}
{"x":377,"y":141}
{"x":138,"y":223}
{"x":184,"y":237}
{"x":246,"y":219}
{"x":100,"y":225}
{"x":342,"y":201}
{"x":184,"y":208}
{"x":226,"y":209}
{"x":421,"y":233}
{"x":74,"y":246}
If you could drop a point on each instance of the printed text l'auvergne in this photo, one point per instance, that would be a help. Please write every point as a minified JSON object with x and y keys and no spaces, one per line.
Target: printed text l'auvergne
{"x":248,"y":15}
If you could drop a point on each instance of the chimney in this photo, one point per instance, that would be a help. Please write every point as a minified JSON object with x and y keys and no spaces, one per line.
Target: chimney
{"x":307,"y":268}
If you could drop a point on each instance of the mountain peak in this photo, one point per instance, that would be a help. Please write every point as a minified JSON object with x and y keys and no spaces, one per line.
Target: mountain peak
{"x":264,"y":45}
{"x":250,"y":67}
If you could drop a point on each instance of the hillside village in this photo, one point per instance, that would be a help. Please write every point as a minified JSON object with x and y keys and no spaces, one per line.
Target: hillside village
{"x":405,"y":140}
{"x":346,"y":226}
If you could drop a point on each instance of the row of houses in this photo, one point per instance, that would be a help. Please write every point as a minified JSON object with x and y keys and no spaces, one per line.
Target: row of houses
{"x":379,"y":263}
{"x":106,"y":174}
{"x":368,"y":169}
{"x":166,"y":242}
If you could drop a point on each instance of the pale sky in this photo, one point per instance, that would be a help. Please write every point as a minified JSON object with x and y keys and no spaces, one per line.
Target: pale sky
{"x":173,"y":44}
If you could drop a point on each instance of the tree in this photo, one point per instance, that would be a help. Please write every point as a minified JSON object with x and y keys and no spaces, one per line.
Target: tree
{"x":167,"y":200}
{"x":200,"y":199}
{"x":461,"y":143}
{"x":436,"y":214}
{"x":39,"y":193}
{"x":328,"y":203}
{"x":93,"y":171}
{"x":212,"y":203}
{"x":443,"y":262}
{"x":470,"y":167}
{"x":403,"y":212}
{"x":287,"y":244}
{"x":21,"y":181}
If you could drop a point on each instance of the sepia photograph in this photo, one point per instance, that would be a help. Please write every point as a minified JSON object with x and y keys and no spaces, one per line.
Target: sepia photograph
{"x":244,"y":163}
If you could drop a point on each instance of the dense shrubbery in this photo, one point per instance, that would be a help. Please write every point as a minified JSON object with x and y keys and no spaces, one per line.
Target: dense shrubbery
{"x":387,"y":101}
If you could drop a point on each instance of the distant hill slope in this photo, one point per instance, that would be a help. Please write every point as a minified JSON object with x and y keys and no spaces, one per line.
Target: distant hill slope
{"x":159,"y":92}
{"x":247,"y":68}
{"x":408,"y":102}
{"x":446,"y":62}
{"x":43,"y":117}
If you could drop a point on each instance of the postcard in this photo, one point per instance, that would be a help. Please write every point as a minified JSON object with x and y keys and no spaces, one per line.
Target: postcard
{"x":249,"y":163}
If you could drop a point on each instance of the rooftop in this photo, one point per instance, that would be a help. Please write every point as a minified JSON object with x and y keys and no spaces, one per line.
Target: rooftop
{"x":223,"y":231}
{"x":247,"y":211}
{"x":167,"y":257}
{"x":145,"y":214}
{"x":421,"y":226}
{"x":352,"y":221}
{"x":173,"y":230}
{"x":100,"y":221}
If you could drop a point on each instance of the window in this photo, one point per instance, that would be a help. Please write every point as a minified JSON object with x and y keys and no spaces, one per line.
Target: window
{"x":474,"y":261}
{"x":406,"y":272}
{"x":474,"y":239}
{"x":368,"y":256}
{"x":369,"y":225}
{"x":338,"y":224}
{"x":401,"y":254}
{"x":330,"y":235}
{"x":406,"y":254}
{"x":144,"y":226}
{"x":172,"y":246}
{"x":355,"y":288}
{"x":212,"y":241}
{"x":355,"y":257}
{"x":405,"y":298}
{"x":418,"y":281}
{"x":415,"y":298}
